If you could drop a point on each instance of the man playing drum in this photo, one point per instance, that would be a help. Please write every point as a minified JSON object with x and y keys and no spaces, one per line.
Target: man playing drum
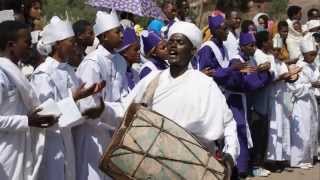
{"x":189,"y":97}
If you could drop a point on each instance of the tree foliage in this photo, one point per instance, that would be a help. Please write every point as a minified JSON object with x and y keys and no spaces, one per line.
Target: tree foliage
{"x":74,"y":9}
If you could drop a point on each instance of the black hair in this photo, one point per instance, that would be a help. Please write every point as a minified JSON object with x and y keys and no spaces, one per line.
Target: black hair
{"x":79,"y":27}
{"x":9,"y":31}
{"x":293,"y":10}
{"x":180,"y":2}
{"x":309,"y":14}
{"x":261,"y":37}
{"x":228,"y":12}
{"x":166,"y":3}
{"x":245,"y":25}
{"x":282,"y":24}
{"x":15,"y":5}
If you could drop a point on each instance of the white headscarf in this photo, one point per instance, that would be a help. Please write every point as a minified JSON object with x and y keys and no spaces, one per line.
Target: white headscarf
{"x":190,"y":30}
{"x":307,"y":46}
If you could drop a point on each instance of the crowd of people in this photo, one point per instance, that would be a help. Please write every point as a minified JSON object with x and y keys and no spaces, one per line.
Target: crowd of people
{"x":247,"y":89}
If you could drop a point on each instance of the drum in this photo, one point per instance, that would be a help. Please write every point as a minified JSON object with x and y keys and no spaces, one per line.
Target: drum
{"x":150,"y":146}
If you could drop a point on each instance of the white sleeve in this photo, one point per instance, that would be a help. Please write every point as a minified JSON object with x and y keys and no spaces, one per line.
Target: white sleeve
{"x":14,"y":123}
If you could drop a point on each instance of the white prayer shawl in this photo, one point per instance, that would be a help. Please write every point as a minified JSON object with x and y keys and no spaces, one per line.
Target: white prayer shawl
{"x":279,"y":128}
{"x":232,"y":45}
{"x":293,"y":42}
{"x":21,"y":146}
{"x":56,"y":80}
{"x":305,"y":122}
{"x":94,"y":135}
{"x":195,"y":102}
{"x":223,"y":61}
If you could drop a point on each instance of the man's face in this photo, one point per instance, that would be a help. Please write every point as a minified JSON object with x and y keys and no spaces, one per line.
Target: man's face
{"x":235,"y":20}
{"x":66,"y":48}
{"x":283,"y":31}
{"x":113,"y":37}
{"x":170,"y":11}
{"x":249,"y":49}
{"x":309,"y":57}
{"x":87,"y":37}
{"x":161,"y":50}
{"x":180,"y":50}
{"x":21,"y":48}
{"x":221,"y":33}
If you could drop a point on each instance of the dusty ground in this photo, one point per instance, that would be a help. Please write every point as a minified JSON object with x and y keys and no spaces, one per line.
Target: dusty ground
{"x":297,"y":174}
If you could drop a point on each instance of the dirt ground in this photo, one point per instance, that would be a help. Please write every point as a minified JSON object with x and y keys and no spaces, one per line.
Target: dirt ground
{"x":297,"y":174}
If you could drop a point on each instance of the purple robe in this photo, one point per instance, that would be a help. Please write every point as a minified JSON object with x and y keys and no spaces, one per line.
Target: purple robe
{"x":206,"y":58}
{"x":238,"y":82}
{"x":245,"y":83}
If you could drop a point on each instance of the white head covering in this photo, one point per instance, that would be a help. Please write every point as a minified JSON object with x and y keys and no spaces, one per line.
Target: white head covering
{"x":307,"y":46}
{"x":277,"y":41}
{"x":256,"y":18}
{"x":6,"y":15}
{"x":190,"y":30}
{"x":56,"y":30}
{"x":313,"y":24}
{"x":105,"y":22}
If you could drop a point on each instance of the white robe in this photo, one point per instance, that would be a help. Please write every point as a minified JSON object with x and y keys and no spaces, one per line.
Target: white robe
{"x":232,"y":45}
{"x":304,"y":124}
{"x":56,"y":80}
{"x":93,"y":136}
{"x":196,"y":103}
{"x":279,"y":128}
{"x":21,"y":146}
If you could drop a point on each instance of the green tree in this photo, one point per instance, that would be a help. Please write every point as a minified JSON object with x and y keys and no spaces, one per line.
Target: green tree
{"x":279,"y":8}
{"x":74,"y":9}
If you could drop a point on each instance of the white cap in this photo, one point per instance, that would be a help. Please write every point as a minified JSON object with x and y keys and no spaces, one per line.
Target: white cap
{"x":56,"y":30}
{"x":105,"y":22}
{"x":313,"y":24}
{"x":307,"y":45}
{"x":277,"y":41}
{"x":190,"y":30}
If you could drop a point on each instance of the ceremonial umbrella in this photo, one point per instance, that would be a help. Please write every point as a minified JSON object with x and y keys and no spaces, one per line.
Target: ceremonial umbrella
{"x":146,"y":8}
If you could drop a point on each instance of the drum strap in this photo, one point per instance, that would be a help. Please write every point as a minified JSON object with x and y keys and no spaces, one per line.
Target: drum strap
{"x":147,"y":98}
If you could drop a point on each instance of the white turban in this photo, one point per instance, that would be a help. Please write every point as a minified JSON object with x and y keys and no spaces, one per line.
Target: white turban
{"x":105,"y":22}
{"x":277,"y":41}
{"x":307,"y":45}
{"x":6,"y":15}
{"x":56,"y":30}
{"x":190,"y":30}
{"x":313,"y":24}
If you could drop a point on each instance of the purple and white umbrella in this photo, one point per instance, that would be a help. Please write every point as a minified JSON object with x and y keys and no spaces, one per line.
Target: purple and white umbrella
{"x":146,"y":8}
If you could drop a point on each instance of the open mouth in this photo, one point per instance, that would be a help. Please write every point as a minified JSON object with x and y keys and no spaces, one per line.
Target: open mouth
{"x":173,"y":53}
